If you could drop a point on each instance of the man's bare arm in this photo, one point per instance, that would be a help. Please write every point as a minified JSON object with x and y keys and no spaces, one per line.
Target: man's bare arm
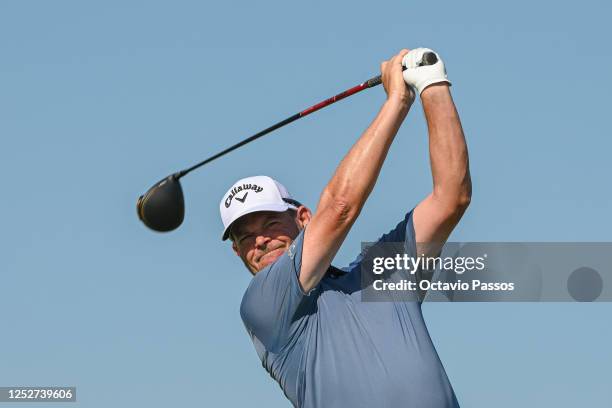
{"x":344,"y":196}
{"x":437,"y":215}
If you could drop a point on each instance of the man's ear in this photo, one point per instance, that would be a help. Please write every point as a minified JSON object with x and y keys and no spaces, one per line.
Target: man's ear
{"x":303,"y":216}
{"x":235,"y":248}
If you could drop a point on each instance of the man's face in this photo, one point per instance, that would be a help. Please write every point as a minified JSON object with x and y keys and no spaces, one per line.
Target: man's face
{"x":260,"y":238}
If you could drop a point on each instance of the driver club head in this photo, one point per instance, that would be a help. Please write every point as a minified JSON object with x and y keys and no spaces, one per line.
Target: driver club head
{"x":162,"y":207}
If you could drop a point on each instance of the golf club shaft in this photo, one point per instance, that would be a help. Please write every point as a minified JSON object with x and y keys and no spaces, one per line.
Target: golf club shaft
{"x":428,"y":59}
{"x":365,"y":85}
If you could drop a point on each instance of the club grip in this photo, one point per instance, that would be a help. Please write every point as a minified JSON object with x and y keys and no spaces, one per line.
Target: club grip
{"x":429,"y":58}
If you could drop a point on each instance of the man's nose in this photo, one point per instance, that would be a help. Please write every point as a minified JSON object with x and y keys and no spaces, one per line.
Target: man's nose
{"x":261,"y":241}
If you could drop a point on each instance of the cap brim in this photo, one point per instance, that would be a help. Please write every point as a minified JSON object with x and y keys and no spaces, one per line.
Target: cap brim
{"x":278,"y":207}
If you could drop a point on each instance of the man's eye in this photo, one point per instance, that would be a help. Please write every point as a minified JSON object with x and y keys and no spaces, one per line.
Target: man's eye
{"x":244,"y":238}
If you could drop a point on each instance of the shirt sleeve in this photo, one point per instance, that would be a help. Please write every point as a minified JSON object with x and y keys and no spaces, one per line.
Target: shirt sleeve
{"x":273,"y":298}
{"x":399,"y":240}
{"x":403,"y":232}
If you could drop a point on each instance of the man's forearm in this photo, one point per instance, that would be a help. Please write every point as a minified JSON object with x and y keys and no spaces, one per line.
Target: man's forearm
{"x":344,"y":196}
{"x":356,"y":175}
{"x":447,"y":147}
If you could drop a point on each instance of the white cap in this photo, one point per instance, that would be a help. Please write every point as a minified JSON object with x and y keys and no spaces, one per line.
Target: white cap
{"x":251,"y":194}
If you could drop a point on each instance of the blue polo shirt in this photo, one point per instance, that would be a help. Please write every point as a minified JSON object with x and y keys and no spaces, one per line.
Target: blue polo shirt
{"x":330,"y":349}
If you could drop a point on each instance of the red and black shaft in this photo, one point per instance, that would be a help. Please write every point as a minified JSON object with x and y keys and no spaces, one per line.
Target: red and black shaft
{"x":428,"y":59}
{"x":292,"y":118}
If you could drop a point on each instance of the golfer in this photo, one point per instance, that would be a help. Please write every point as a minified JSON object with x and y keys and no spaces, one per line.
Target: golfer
{"x":321,"y":343}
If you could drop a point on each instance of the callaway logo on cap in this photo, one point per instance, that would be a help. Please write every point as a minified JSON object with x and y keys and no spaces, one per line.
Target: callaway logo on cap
{"x":251,"y":194}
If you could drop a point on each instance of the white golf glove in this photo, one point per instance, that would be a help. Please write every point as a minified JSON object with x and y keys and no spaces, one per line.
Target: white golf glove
{"x":421,"y":76}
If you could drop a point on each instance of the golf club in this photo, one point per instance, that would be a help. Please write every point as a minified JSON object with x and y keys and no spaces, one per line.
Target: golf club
{"x":162,"y":207}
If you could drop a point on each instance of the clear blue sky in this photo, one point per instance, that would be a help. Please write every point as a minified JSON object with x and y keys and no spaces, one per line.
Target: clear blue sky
{"x":100,"y":100}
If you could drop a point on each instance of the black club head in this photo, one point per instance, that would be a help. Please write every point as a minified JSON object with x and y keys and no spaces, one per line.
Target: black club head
{"x":162,"y":207}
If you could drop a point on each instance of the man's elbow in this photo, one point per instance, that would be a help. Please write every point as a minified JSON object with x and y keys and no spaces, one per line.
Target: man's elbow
{"x":455,"y":203}
{"x":342,"y":210}
{"x":456,"y":208}
{"x":463,"y":200}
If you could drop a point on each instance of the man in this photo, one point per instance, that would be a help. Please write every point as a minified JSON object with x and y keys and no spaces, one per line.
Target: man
{"x":313,"y":333}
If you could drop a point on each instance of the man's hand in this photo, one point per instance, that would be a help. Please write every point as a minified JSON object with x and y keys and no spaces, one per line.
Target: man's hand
{"x":393,"y":81}
{"x":421,"y":76}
